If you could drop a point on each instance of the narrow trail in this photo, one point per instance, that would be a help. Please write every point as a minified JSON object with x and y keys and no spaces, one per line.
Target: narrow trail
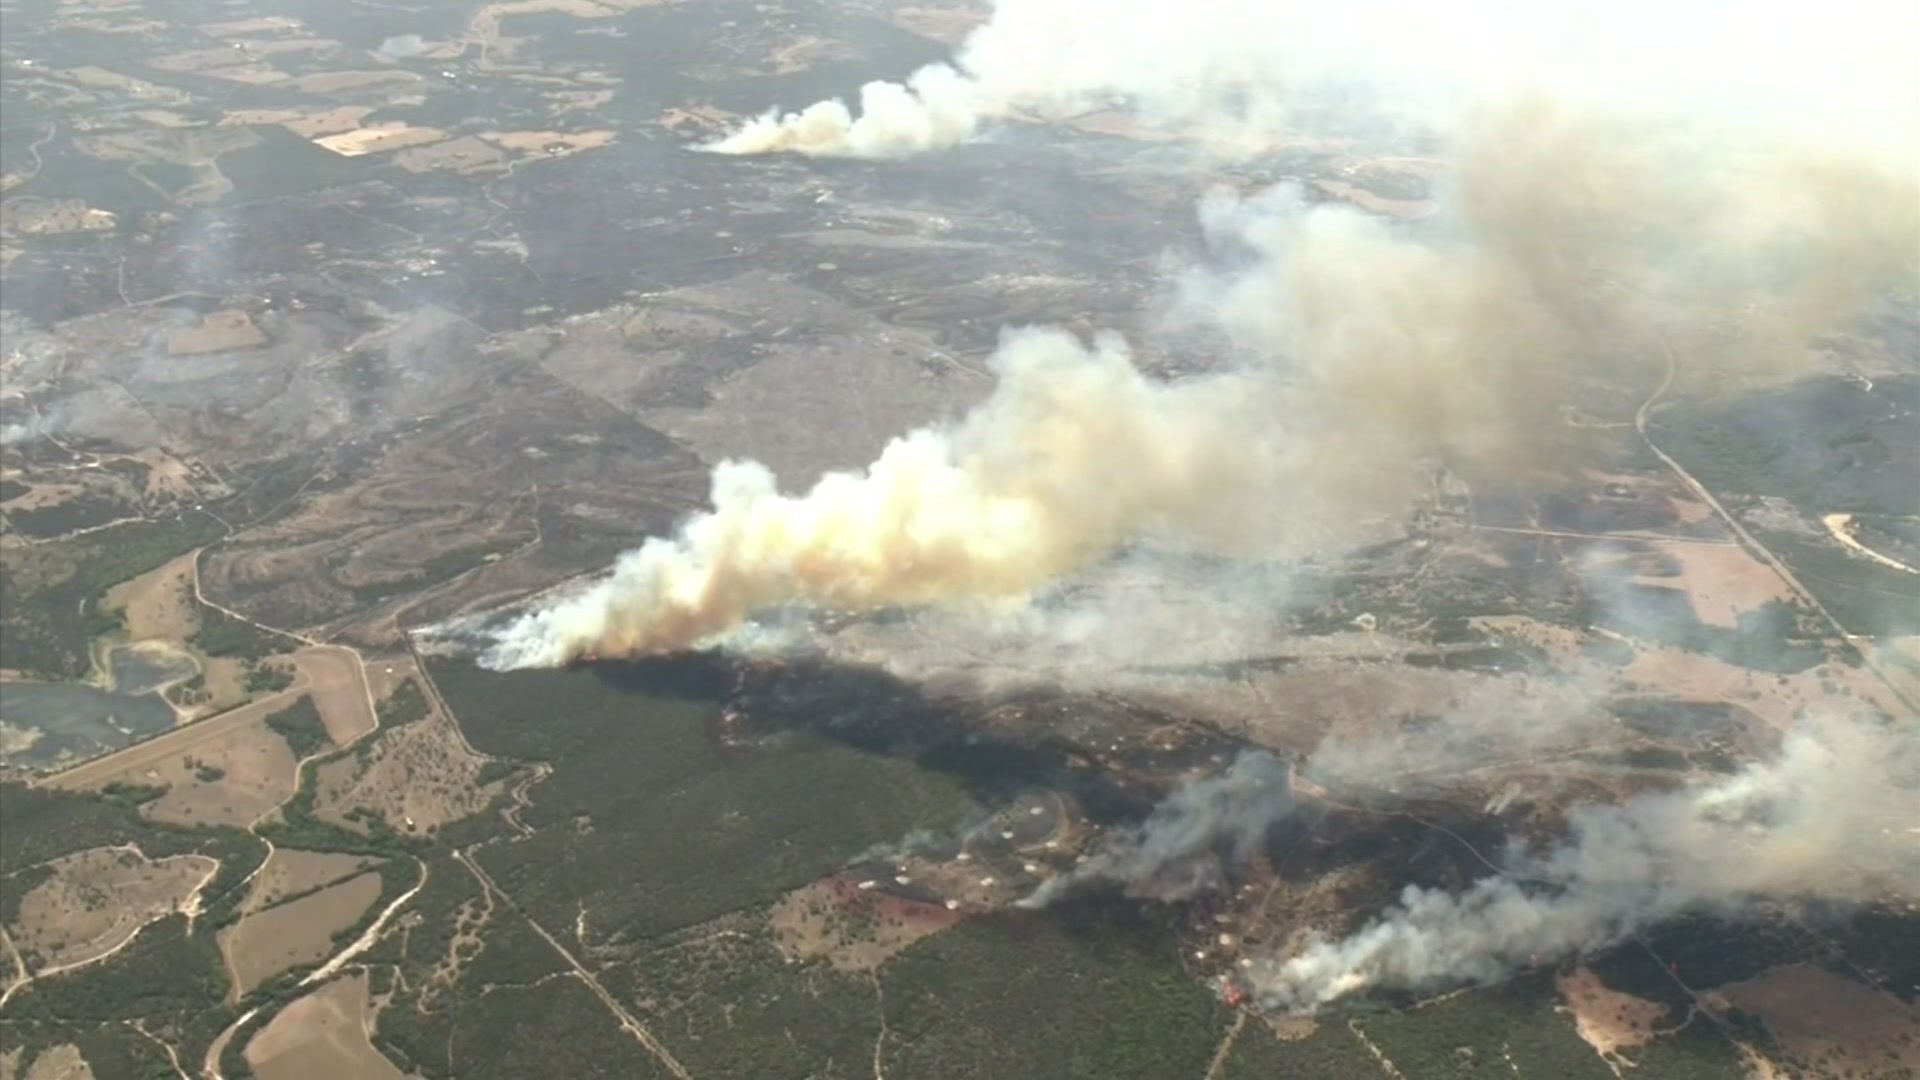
{"x":1224,"y":1051}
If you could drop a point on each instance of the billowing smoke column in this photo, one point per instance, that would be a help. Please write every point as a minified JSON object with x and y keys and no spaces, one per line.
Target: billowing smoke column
{"x":1831,"y":817}
{"x":1075,"y":452}
{"x":1367,"y":353}
{"x":1182,"y":848}
{"x":1616,"y":212}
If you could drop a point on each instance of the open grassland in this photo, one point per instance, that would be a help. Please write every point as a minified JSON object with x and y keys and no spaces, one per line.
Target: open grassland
{"x":302,"y":931}
{"x":419,"y":777}
{"x":290,"y":873}
{"x":321,"y":1036}
{"x":92,"y":902}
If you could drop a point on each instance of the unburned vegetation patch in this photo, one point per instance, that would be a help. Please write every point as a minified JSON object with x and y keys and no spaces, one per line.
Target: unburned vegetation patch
{"x":727,"y":1003}
{"x":648,"y":823}
{"x":1514,"y":1026}
{"x":1092,"y":993}
{"x":578,"y":1036}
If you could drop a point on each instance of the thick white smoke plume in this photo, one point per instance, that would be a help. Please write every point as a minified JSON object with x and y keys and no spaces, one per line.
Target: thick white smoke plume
{"x":1184,"y":846}
{"x":1230,"y":72}
{"x":1831,"y":817}
{"x":1011,"y":498}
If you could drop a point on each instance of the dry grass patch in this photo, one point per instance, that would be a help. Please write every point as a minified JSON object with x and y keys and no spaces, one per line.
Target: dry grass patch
{"x":229,"y":780}
{"x":63,"y":1062}
{"x":97,"y":900}
{"x":1829,"y":1025}
{"x":419,"y":777}
{"x":855,"y":931}
{"x":158,"y":603}
{"x":266,"y":943}
{"x":219,"y":331}
{"x":338,"y":686}
{"x":320,"y":1037}
{"x":1608,"y":1020}
{"x":289,"y":872}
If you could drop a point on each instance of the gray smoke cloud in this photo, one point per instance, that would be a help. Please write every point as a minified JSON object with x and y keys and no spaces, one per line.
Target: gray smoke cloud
{"x":1831,"y":817}
{"x":1183,"y":847}
{"x":38,"y":423}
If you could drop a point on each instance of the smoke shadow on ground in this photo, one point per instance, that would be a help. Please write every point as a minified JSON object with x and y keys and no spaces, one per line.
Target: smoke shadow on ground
{"x":881,"y":714}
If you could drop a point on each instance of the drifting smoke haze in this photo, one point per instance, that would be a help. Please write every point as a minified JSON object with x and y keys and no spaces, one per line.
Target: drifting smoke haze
{"x":1826,"y":819}
{"x":1367,"y":353}
{"x":1180,"y":850}
{"x":1631,"y":186}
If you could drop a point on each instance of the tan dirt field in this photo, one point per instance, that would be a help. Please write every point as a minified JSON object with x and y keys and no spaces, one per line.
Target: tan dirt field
{"x":419,"y":776}
{"x":320,"y":1037}
{"x":1850,"y":1028}
{"x":158,"y":603}
{"x":339,"y":690}
{"x":289,"y":872}
{"x":1725,"y":582}
{"x":1608,"y":1020}
{"x":267,"y":943}
{"x":374,"y":140}
{"x":98,"y":899}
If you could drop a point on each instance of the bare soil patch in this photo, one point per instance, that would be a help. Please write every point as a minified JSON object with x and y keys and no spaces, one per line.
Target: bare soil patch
{"x":290,"y":872}
{"x":266,"y":943}
{"x":1608,"y":1020}
{"x":98,"y":899}
{"x":1829,"y":1025}
{"x":320,"y":1037}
